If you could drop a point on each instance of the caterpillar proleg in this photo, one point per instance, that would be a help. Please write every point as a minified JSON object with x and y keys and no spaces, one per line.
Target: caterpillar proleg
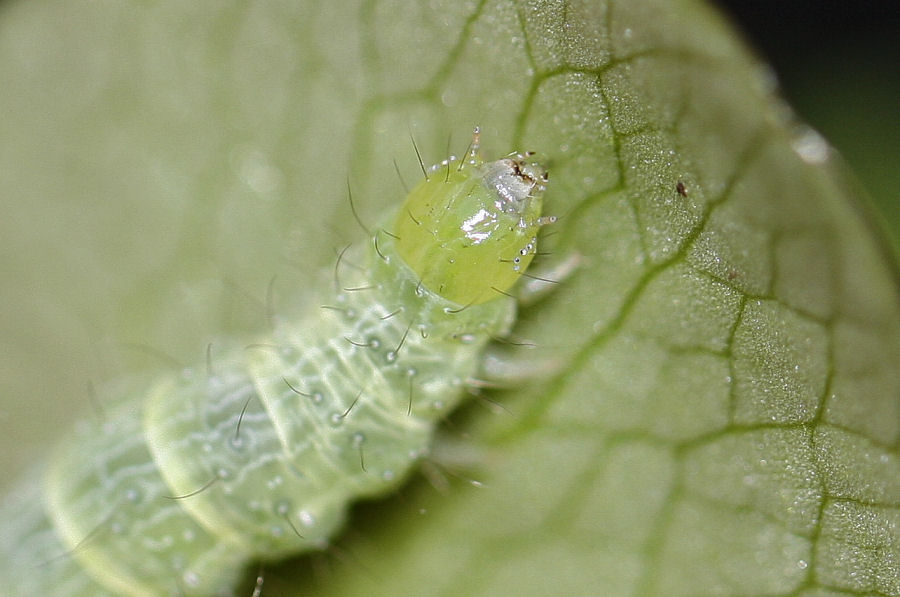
{"x":257,"y":456}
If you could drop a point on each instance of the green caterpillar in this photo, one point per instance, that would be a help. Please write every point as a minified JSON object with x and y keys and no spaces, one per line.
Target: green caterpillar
{"x":257,"y":456}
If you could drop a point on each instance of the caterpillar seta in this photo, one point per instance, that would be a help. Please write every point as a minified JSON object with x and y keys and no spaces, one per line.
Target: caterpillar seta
{"x":257,"y":456}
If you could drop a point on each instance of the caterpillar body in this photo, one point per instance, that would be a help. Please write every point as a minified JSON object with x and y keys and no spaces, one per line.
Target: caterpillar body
{"x":258,"y":454}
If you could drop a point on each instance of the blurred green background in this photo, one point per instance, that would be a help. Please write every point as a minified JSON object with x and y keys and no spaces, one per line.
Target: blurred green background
{"x":837,"y":66}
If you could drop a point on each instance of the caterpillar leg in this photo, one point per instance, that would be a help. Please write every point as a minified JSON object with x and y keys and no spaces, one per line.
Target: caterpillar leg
{"x":509,"y":363}
{"x":541,"y":281}
{"x":501,"y":370}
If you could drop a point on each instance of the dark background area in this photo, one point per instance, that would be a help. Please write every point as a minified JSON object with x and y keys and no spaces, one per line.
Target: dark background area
{"x":839,"y":66}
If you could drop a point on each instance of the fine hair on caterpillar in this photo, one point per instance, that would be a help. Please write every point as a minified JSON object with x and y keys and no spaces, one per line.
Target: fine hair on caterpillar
{"x":256,"y":454}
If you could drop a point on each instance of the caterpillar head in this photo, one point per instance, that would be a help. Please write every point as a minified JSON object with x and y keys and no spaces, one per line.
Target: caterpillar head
{"x":470,"y":229}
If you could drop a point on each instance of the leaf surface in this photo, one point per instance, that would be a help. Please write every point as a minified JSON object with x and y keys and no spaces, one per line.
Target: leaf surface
{"x":722,"y":414}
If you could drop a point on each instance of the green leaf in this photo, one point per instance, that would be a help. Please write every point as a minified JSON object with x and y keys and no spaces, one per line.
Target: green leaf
{"x":724,"y":417}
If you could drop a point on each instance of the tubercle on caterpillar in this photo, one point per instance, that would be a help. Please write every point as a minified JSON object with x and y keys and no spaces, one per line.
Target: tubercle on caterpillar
{"x":259,"y":457}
